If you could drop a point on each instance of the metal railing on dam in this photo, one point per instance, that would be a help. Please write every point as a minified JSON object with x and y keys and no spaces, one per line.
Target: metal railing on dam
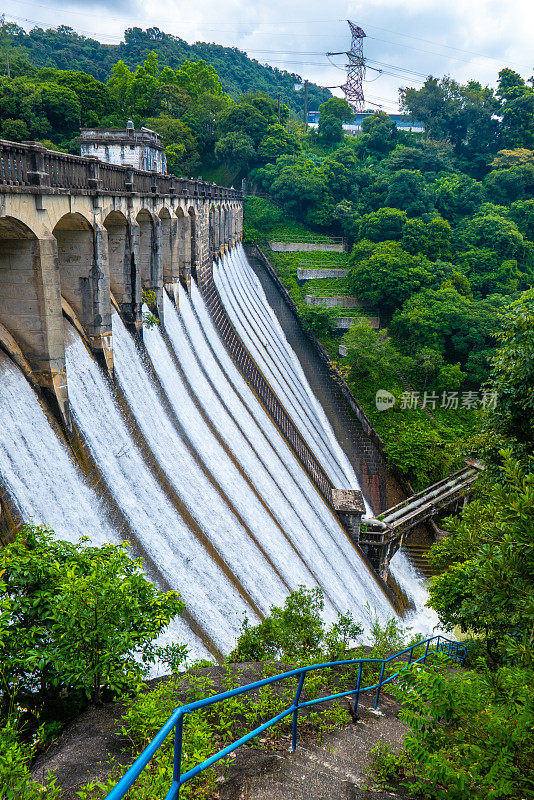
{"x":436,"y":644}
{"x":29,"y":164}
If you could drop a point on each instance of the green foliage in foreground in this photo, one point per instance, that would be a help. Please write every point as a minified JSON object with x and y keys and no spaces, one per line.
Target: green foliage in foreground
{"x":74,"y":618}
{"x":15,"y":759}
{"x":76,"y":621}
{"x":294,"y":634}
{"x":469,"y":735}
{"x":488,"y":586}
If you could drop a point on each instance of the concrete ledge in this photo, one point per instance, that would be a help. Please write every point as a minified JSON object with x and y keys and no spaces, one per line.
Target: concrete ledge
{"x":334,"y":301}
{"x":344,"y":323}
{"x":306,"y":247}
{"x":304,"y":274}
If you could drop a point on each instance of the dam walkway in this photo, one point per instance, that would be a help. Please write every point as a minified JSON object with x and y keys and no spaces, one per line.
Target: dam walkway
{"x":380,"y":538}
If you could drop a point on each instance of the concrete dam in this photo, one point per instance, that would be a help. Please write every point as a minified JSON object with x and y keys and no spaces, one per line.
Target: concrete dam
{"x":198,"y":439}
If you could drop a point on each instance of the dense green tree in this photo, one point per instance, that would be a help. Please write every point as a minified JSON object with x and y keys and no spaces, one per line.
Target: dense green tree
{"x":507,"y":185}
{"x":488,"y":273}
{"x":448,"y":322}
{"x":370,"y":354}
{"x":487,"y":587}
{"x":496,"y":233}
{"x":428,"y":156}
{"x":15,"y":130}
{"x":386,"y":275}
{"x":465,"y":115}
{"x":277,"y":142}
{"x":338,"y":108}
{"x":94,"y":96}
{"x":330,"y":130}
{"x":62,"y":108}
{"x":379,"y":134}
{"x":294,"y":181}
{"x":456,"y":196}
{"x":512,"y":158}
{"x":179,"y":142}
{"x":236,"y":149}
{"x":431,"y":239}
{"x":522,"y":213}
{"x":511,"y":423}
{"x":74,"y":618}
{"x":196,"y":78}
{"x":386,"y":224}
{"x":407,"y":190}
{"x":244,"y":118}
{"x":517,"y":109}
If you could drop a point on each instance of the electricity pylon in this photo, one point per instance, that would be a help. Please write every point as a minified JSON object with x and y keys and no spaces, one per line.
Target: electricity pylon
{"x":353,"y":87}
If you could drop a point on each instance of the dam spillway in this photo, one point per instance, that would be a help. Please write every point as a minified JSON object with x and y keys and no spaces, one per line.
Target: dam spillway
{"x":190,"y":467}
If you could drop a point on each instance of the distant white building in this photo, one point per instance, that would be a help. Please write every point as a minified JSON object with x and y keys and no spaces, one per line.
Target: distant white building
{"x":403,"y":122}
{"x":141,"y":149}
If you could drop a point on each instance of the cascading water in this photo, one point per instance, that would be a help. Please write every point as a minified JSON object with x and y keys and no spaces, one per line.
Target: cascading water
{"x":36,"y":469}
{"x":259,"y":327}
{"x":178,"y":557}
{"x":265,"y":340}
{"x":210,"y":493}
{"x":306,"y":547}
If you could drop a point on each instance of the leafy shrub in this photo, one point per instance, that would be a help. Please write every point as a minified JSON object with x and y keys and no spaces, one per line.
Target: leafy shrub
{"x":15,"y":760}
{"x":74,"y":619}
{"x":296,"y":632}
{"x":470,"y":734}
{"x":316,"y":318}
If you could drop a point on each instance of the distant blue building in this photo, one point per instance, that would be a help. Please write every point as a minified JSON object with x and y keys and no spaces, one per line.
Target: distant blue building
{"x":404,"y":122}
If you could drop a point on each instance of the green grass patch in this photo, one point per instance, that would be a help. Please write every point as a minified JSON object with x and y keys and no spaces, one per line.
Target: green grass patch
{"x":265,"y":221}
{"x":357,"y":313}
{"x":328,"y":287}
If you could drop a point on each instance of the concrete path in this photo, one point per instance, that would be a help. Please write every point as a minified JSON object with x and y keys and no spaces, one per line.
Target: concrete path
{"x":337,"y":769}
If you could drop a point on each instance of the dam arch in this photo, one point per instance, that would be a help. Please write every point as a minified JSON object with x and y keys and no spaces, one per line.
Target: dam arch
{"x":82,"y":251}
{"x":30,"y":298}
{"x":30,"y":304}
{"x":122,"y":276}
{"x":145,"y":256}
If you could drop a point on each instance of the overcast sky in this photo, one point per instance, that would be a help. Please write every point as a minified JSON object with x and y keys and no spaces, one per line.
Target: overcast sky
{"x":414,"y":38}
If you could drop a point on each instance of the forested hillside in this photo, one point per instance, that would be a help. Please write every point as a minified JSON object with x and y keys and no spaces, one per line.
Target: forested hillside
{"x":63,"y":48}
{"x":441,"y":229}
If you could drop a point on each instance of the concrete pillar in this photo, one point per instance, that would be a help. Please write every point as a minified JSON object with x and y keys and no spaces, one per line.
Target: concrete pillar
{"x":349,"y":506}
{"x":145,"y":249}
{"x":157,"y":266}
{"x":166,"y":248}
{"x":135,"y":320}
{"x":100,"y":337}
{"x":184,"y":249}
{"x":205,"y":261}
{"x":30,"y":307}
{"x":121,"y":274}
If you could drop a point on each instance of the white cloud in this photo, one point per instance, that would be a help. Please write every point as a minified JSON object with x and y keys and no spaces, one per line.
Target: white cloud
{"x":415,"y":36}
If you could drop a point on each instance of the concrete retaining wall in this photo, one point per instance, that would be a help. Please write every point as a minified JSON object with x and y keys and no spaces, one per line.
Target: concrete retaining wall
{"x":306,"y":247}
{"x":344,"y":323}
{"x":304,"y":274}
{"x":371,"y":467}
{"x":341,"y":301}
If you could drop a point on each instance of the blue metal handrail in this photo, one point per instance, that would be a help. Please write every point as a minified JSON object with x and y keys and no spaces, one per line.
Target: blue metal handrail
{"x":454,"y":650}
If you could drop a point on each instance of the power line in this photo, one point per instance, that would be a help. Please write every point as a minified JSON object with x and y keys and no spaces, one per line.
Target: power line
{"x":257,"y":23}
